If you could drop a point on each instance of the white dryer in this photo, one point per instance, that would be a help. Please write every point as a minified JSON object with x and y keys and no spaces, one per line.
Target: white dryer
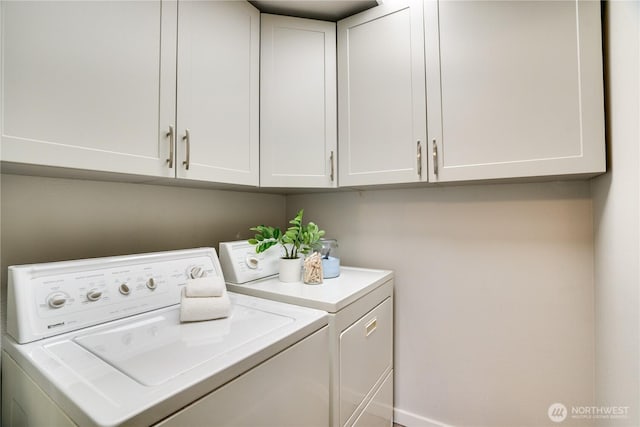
{"x":360,"y":307}
{"x":98,"y":342}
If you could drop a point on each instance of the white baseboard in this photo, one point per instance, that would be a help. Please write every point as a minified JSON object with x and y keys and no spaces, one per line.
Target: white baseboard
{"x":408,"y":419}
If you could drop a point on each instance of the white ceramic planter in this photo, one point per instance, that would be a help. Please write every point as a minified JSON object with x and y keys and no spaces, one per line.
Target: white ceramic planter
{"x":290,"y":269}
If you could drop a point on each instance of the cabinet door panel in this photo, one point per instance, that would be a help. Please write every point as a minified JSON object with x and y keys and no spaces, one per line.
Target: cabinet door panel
{"x":218,"y":45}
{"x":82,"y":84}
{"x":298,"y":102}
{"x":515,"y":93}
{"x":381,"y":94}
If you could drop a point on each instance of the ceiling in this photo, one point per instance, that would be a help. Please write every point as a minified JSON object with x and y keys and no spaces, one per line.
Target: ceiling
{"x":326,"y":10}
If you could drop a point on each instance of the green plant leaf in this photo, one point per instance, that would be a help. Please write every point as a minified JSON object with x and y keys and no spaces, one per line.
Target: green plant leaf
{"x":297,"y":220}
{"x":298,"y":238}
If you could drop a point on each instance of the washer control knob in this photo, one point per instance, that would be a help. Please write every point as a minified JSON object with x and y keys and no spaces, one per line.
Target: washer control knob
{"x":57,"y":300}
{"x":124,"y":289}
{"x":252,"y":261}
{"x":196,"y":272}
{"x":94,"y":294}
{"x":151,"y":284}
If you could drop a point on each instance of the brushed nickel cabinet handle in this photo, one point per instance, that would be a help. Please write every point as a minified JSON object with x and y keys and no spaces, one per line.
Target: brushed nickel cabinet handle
{"x":171,"y":135}
{"x":419,"y":159}
{"x":187,"y":138}
{"x":435,"y":157}
{"x":332,"y":166}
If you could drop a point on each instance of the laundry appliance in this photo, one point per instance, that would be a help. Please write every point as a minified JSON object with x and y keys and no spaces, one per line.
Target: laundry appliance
{"x":98,"y":342}
{"x":360,"y":306}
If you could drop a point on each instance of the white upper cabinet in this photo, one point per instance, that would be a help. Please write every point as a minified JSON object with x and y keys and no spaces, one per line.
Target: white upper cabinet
{"x":381,"y":95}
{"x":88,"y":84}
{"x":514,"y":89}
{"x":92,"y":85}
{"x":217,"y":132}
{"x":298,"y":131}
{"x":437,"y":91}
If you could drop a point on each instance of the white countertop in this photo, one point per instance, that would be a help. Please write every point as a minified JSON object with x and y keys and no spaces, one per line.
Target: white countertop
{"x":331,"y":296}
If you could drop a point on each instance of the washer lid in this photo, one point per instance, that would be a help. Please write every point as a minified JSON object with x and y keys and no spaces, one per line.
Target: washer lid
{"x":98,"y":388}
{"x":156,"y":349}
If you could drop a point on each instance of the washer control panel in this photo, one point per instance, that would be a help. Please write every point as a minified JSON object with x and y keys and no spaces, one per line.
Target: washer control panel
{"x":52,"y":298}
{"x":241,"y":264}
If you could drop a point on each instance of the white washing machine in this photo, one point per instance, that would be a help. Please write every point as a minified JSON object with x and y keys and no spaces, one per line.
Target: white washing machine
{"x":98,"y":342}
{"x":360,"y":307}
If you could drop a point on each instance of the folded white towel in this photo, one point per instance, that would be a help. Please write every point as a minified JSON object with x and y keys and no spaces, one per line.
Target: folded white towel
{"x":212,"y":286}
{"x":204,"y":308}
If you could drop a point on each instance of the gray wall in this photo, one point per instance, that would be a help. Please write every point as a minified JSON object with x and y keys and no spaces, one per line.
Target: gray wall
{"x":494,"y":295}
{"x":616,"y":201}
{"x":50,"y":219}
{"x":494,"y":308}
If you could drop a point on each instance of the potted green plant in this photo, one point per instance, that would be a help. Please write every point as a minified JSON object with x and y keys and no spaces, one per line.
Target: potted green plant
{"x":298,"y":239}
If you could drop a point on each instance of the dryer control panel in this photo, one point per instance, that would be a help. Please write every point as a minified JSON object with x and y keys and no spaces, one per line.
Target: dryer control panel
{"x":52,"y":298}
{"x":241,"y":263}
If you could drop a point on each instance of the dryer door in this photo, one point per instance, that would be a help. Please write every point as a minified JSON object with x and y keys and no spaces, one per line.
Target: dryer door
{"x":365,"y":357}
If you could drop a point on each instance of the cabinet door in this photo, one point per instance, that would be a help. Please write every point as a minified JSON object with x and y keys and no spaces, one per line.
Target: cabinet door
{"x":514,"y":88}
{"x":218,"y":59}
{"x":88,"y":84}
{"x":298,"y":131}
{"x":381,"y":95}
